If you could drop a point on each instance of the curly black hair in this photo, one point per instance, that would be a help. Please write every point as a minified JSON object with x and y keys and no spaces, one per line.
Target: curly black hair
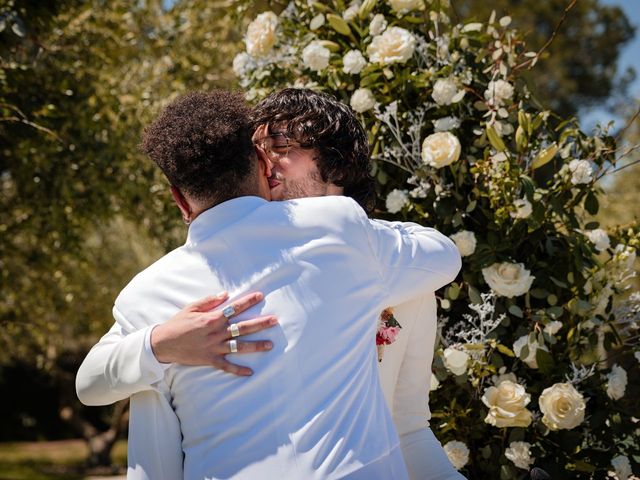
{"x":317,"y":120}
{"x":202,"y":143}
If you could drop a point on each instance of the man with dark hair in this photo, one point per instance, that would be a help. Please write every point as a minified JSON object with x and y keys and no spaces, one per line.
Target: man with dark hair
{"x":313,"y":408}
{"x":319,"y":124}
{"x":329,"y":154}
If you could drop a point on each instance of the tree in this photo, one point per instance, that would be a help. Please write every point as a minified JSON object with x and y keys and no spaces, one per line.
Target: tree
{"x":579,"y":68}
{"x":82,"y":209}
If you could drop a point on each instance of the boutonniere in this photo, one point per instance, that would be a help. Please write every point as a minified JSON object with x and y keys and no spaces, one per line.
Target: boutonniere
{"x":388,"y":329}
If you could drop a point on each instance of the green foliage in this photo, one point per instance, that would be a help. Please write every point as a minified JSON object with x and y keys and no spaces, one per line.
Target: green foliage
{"x":459,"y":143}
{"x":579,"y":66}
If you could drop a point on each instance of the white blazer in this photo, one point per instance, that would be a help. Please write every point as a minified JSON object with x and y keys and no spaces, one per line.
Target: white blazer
{"x":313,"y":408}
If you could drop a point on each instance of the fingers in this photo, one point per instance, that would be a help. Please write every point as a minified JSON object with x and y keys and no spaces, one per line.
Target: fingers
{"x":255,"y":325}
{"x":246,"y":302}
{"x":222,"y":364}
{"x":208,"y":303}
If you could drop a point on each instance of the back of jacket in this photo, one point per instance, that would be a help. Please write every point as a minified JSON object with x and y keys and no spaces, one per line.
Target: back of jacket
{"x":313,"y":408}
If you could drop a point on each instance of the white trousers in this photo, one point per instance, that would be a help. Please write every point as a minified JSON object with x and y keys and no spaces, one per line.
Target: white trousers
{"x":425,"y":457}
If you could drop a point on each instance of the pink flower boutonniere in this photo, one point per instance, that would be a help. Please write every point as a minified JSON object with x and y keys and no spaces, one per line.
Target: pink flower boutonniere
{"x":388,"y":329}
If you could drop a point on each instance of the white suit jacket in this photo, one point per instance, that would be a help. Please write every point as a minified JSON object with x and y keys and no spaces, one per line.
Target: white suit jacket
{"x":327,"y":271}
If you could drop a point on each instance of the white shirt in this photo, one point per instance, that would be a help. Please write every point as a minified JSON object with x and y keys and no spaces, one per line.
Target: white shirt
{"x":313,"y":408}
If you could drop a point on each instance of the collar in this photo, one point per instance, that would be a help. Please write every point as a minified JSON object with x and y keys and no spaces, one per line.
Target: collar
{"x":221,"y":215}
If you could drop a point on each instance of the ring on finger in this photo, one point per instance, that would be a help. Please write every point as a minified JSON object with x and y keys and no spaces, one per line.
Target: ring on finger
{"x":233,"y":346}
{"x":234,"y":330}
{"x":229,"y":311}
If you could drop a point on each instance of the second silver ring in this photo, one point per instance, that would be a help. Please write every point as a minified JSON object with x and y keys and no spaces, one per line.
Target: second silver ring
{"x":234,"y":330}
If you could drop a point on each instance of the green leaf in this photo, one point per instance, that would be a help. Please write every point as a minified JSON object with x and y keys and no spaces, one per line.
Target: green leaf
{"x":545,"y":361}
{"x":338,"y":24}
{"x":558,"y":282}
{"x":332,"y":46}
{"x":366,"y":8}
{"x":495,"y":140}
{"x":539,"y":293}
{"x":544,"y":156}
{"x":592,"y":225}
{"x":471,"y":206}
{"x":527,"y":185}
{"x":505,"y":350}
{"x":591,"y":203}
{"x":516,"y":311}
{"x":555,"y":312}
{"x":453,"y":292}
{"x":474,"y":295}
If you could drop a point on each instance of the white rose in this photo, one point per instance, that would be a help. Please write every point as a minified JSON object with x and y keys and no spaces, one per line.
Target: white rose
{"x":261,"y":34}
{"x":377,"y":25}
{"x":434,"y":383}
{"x":520,"y":454}
{"x":581,"y":171}
{"x":523,"y":208}
{"x":242,"y":64}
{"x":498,"y":379}
{"x":531,"y":360}
{"x":440,"y":149}
{"x":616,"y":382}
{"x":396,"y":200}
{"x":507,"y":404}
{"x":553,"y":327}
{"x":445,"y":124}
{"x":445,"y":92}
{"x":497,"y":92}
{"x":508,"y":279}
{"x":599,"y":238}
{"x":316,"y":22}
{"x":353,"y":62}
{"x":465,"y":241}
{"x":401,"y":7}
{"x":315,"y":56}
{"x":622,"y":467}
{"x":455,"y":360}
{"x":395,"y":45}
{"x":562,"y":406}
{"x":457,"y":452}
{"x":362,"y":100}
{"x":351,"y":12}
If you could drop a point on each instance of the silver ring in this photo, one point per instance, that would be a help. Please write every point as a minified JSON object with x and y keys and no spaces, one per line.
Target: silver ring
{"x":234,"y":330}
{"x":229,"y":311}
{"x":233,"y":346}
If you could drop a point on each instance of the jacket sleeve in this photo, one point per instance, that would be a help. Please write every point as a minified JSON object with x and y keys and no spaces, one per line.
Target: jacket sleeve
{"x":119,"y":365}
{"x":411,"y":259}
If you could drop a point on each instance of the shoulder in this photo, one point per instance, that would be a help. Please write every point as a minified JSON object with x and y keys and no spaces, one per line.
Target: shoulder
{"x":331,"y":210}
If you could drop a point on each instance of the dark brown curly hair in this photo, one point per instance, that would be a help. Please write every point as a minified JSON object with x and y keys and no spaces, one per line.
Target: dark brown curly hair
{"x":202,"y":143}
{"x":317,"y":120}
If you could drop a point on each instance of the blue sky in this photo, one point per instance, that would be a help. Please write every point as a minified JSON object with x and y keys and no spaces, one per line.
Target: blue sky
{"x":630,"y":56}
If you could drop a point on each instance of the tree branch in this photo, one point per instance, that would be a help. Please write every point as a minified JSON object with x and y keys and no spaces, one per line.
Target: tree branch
{"x":530,"y":62}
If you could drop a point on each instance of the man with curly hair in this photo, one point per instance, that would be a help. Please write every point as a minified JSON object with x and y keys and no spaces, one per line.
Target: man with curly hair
{"x":310,"y":406}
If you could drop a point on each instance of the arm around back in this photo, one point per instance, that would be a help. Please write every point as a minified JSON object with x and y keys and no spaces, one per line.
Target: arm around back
{"x":412,"y":259}
{"x":118,"y":366}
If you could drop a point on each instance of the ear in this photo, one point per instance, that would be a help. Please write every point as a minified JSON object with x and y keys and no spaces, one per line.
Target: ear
{"x":182,"y":203}
{"x":264,"y":163}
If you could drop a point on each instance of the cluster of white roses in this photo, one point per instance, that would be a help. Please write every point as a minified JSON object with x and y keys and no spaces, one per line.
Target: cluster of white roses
{"x":468,"y":140}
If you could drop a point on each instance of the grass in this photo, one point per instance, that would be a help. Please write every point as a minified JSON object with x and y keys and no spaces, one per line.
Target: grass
{"x":57,"y":460}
